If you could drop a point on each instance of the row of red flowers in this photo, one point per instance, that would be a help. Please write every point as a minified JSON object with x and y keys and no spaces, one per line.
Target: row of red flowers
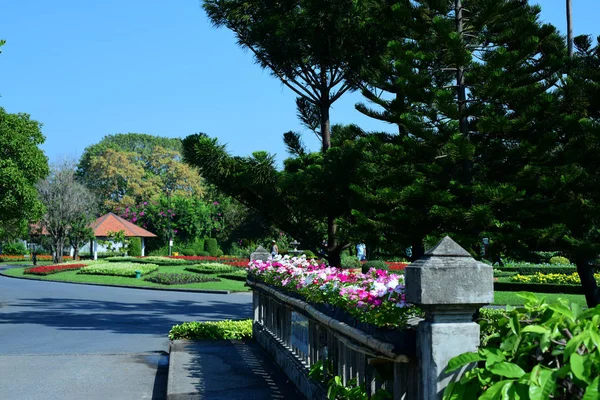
{"x":52,"y":269}
{"x":40,"y":257}
{"x":396,"y":266}
{"x":210,"y":258}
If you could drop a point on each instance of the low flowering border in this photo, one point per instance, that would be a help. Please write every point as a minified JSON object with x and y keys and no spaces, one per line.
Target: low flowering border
{"x":40,"y":257}
{"x":52,"y":269}
{"x":376,"y":297}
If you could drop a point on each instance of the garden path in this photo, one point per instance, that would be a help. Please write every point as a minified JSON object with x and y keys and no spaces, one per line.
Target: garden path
{"x":64,"y":341}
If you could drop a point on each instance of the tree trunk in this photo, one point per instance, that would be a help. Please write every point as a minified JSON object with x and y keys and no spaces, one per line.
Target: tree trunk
{"x":418,"y":250}
{"x":569,"y":28}
{"x":76,"y":252}
{"x":58,"y":251}
{"x":588,"y":282}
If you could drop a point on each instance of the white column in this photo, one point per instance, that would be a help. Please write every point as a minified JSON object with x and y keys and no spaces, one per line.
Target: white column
{"x":95,"y":249}
{"x":143,"y":247}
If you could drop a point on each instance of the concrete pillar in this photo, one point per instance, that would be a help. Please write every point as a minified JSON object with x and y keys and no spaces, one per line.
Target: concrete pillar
{"x":449,"y":285}
{"x":143,"y":247}
{"x":260,"y":254}
{"x":95,"y":249}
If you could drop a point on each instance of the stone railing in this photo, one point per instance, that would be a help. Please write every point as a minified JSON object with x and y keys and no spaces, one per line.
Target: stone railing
{"x":447,"y":284}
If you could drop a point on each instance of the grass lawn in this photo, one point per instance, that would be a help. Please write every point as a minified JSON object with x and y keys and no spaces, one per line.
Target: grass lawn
{"x":73,"y":276}
{"x":511,"y":298}
{"x":25,"y":263}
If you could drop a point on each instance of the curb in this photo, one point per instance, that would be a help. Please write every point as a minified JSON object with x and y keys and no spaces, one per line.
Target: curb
{"x":207,"y":291}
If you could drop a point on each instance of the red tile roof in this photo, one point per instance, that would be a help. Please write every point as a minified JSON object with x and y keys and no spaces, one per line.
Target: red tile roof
{"x":113,"y":223}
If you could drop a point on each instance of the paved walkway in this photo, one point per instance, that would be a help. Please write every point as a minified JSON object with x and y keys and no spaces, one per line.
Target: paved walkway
{"x":63,"y":341}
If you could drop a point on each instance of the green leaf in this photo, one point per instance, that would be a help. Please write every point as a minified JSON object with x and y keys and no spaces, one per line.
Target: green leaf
{"x":492,"y":356}
{"x":528,"y":296}
{"x":518,"y":391}
{"x":546,"y":386}
{"x":506,"y":369}
{"x":592,"y":392}
{"x":454,"y":391}
{"x":577,"y":364}
{"x":494,"y":391}
{"x":514,"y":324}
{"x":535,"y":329}
{"x":463,"y":359}
{"x":562,"y":309}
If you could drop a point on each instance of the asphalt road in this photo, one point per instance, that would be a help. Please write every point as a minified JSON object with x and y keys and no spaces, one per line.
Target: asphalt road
{"x":64,"y":341}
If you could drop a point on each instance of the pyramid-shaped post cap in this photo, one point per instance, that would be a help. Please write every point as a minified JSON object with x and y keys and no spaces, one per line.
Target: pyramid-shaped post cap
{"x":260,"y":254}
{"x":448,"y":275}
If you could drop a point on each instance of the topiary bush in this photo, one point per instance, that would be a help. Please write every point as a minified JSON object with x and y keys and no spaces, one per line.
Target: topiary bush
{"x":188,"y":252}
{"x":212,"y":268}
{"x":226,"y":329}
{"x":198,"y":246}
{"x":14,"y":249}
{"x":560,"y":260}
{"x":350,"y":262}
{"x":210,"y":245}
{"x":219,"y":253}
{"x":377,"y":264}
{"x":162,"y":251}
{"x":135,"y":247}
{"x":203,"y":254}
{"x":180,"y":279}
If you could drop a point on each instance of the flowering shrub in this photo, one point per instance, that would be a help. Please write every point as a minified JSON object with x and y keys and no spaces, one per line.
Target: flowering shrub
{"x":40,"y":257}
{"x":376,"y":297}
{"x":559,"y":279}
{"x":52,"y":269}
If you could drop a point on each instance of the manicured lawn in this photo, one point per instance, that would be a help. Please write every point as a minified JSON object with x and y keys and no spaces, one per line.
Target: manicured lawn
{"x":511,"y":298}
{"x":73,"y":276}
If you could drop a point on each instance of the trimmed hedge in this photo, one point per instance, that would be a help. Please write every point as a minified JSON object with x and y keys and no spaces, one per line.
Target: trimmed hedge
{"x":537,"y":287}
{"x":212,"y":268}
{"x":226,"y":329}
{"x":118,"y":269}
{"x":163,"y":261}
{"x":240,"y":275}
{"x":180,"y":279}
{"x":377,"y":264}
{"x":211,"y":246}
{"x":532,"y":269}
{"x":135,"y":247}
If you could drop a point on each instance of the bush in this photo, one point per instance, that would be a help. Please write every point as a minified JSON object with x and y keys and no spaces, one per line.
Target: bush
{"x":558,"y":279}
{"x":188,"y":252}
{"x":377,"y":264}
{"x":210,"y":246}
{"x":14,"y":249}
{"x":349,"y":261}
{"x":198,"y":246}
{"x":212,"y":330}
{"x":180,"y":279}
{"x":499,"y":273}
{"x":135,"y":247}
{"x":219,"y":253}
{"x":162,"y":251}
{"x":119,"y":259}
{"x":530,"y":269}
{"x":212,"y":268}
{"x":540,"y":351}
{"x":239,"y":275}
{"x":560,"y":260}
{"x":537,"y":287}
{"x":309,"y":254}
{"x":488,"y":319}
{"x":118,"y":269}
{"x":203,"y":254}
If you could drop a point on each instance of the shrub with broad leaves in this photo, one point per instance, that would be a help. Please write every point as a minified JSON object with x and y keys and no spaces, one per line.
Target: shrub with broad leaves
{"x":226,"y":329}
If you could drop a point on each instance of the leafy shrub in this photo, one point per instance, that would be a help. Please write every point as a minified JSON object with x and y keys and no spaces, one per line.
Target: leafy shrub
{"x":226,"y":329}
{"x":118,"y":269}
{"x":377,"y":264}
{"x":488,"y":319}
{"x":530,"y":269}
{"x":309,"y":254}
{"x":541,"y":351}
{"x":348,"y":261}
{"x":503,"y":286}
{"x":219,"y":253}
{"x":210,"y":246}
{"x":14,"y":249}
{"x":188,"y":252}
{"x":203,"y":254}
{"x":198,"y":246}
{"x":135,"y":247}
{"x":162,"y":251}
{"x":180,"y":279}
{"x":545,"y":256}
{"x":499,"y":273}
{"x":52,"y":269}
{"x":120,"y":259}
{"x":211,"y":268}
{"x":560,"y":260}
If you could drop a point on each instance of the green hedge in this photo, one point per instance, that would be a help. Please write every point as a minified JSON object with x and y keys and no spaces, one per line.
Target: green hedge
{"x":164,"y":261}
{"x":135,"y":247}
{"x":377,"y":264}
{"x":118,"y":269}
{"x":537,"y":287}
{"x":211,"y":246}
{"x":240,"y":275}
{"x":532,"y":269}
{"x":212,"y":268}
{"x":212,"y":330}
{"x":180,"y":279}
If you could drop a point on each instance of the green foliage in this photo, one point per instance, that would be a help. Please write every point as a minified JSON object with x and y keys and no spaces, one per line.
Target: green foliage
{"x":505,"y":286}
{"x":188,"y":252}
{"x":165,"y":261}
{"x":238,"y":275}
{"x":488,"y":320}
{"x":118,"y":269}
{"x":14,"y":249}
{"x":560,"y":260}
{"x":219,"y":253}
{"x":198,"y":246}
{"x":203,"y":254}
{"x":211,"y":246}
{"x":349,"y":261}
{"x":161,"y":251}
{"x":541,"y":351}
{"x":226,"y":329}
{"x":377,"y":264}
{"x":212,"y":268}
{"x":22,"y":165}
{"x":116,"y":242}
{"x":308,"y":254}
{"x":135,"y":247}
{"x":179,"y":279}
{"x":524,"y":268}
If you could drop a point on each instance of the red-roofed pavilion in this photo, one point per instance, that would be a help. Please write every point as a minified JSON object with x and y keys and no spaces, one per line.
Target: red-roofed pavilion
{"x":113,"y":223}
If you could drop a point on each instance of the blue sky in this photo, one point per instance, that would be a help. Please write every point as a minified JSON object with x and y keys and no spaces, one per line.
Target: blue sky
{"x":86,"y":69}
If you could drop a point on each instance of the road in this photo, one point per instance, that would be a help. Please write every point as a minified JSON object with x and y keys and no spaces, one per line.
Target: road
{"x":65,"y":341}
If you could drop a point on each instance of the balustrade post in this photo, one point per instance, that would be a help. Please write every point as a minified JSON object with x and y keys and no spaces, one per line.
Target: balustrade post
{"x":450,"y":286}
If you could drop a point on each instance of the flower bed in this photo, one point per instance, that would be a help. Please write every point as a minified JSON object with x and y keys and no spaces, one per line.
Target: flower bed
{"x":203,"y":259}
{"x":118,"y":269}
{"x":52,"y":269}
{"x":180,"y":279}
{"x":396,"y":266}
{"x":558,"y":279}
{"x":376,"y":297}
{"x":40,"y":257}
{"x":211,"y":268}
